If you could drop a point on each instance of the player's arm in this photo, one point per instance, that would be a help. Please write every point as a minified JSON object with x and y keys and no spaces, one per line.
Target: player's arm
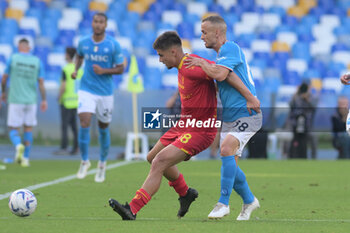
{"x":118,"y":59}
{"x":43,"y":104}
{"x":62,"y":86}
{"x":3,"y":87}
{"x":5,"y":76}
{"x":252,"y":101}
{"x":117,"y":69}
{"x":214,"y":71}
{"x":78,"y":62}
{"x":221,"y":73}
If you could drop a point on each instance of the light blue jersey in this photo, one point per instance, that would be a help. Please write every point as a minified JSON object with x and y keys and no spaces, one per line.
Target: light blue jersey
{"x":24,"y":70}
{"x":234,"y":104}
{"x":106,"y":54}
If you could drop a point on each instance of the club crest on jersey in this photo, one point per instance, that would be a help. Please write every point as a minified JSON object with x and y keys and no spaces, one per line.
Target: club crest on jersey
{"x":95,"y":49}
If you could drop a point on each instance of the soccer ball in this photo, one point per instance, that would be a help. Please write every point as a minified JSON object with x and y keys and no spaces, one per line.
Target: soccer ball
{"x":22,"y":202}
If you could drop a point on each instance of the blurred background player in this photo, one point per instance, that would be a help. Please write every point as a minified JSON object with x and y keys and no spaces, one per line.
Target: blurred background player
{"x":68,"y":99}
{"x":103,"y":58}
{"x":25,"y":71}
{"x":241,"y":113}
{"x":345,"y":80}
{"x":302,"y":111}
{"x":198,"y":99}
{"x":341,"y":139}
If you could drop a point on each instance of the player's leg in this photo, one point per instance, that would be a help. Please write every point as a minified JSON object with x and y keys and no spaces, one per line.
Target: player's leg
{"x":84,"y":134}
{"x":124,"y":210}
{"x":191,"y":142}
{"x":84,"y":142}
{"x":229,"y":147}
{"x":105,"y":141}
{"x":64,"y":133}
{"x":73,"y":124}
{"x":173,"y":175}
{"x":86,"y":107}
{"x":29,"y":122}
{"x":65,"y":121}
{"x":215,"y":146}
{"x":15,"y":119}
{"x":175,"y":178}
{"x":166,"y":158}
{"x":104,"y":115}
{"x":250,"y":202}
{"x":28,"y":141}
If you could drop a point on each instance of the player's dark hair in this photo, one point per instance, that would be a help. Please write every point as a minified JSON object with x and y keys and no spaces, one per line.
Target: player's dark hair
{"x":214,"y":19}
{"x":23,"y":40}
{"x":167,"y":40}
{"x":71,"y":52}
{"x":101,"y":14}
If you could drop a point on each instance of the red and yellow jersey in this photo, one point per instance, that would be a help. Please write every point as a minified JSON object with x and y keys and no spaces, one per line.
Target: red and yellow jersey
{"x":197,"y":92}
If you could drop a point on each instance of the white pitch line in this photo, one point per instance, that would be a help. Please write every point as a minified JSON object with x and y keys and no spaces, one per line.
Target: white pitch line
{"x":64,"y":179}
{"x":186,"y":219}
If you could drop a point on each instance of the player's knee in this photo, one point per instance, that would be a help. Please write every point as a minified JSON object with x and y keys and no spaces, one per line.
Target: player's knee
{"x":103,"y":125}
{"x":158,"y":164}
{"x":150,"y":157}
{"x":227,"y":150}
{"x":84,"y":124}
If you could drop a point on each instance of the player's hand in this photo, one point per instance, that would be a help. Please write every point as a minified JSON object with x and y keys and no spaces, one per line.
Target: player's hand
{"x":43,"y":105}
{"x":345,"y":79}
{"x":74,"y":75}
{"x":347,"y":123}
{"x":2,"y":99}
{"x":253,"y":103}
{"x":192,"y":61}
{"x":97,"y":69}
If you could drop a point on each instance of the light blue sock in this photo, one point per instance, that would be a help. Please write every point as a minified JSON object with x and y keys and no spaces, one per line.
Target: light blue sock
{"x":28,"y":141}
{"x":105,"y":141}
{"x":14,"y":137}
{"x":84,"y":142}
{"x":228,"y":173}
{"x":242,"y":188}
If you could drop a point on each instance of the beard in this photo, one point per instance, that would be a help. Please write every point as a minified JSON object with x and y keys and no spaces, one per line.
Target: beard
{"x":99,"y":32}
{"x":208,"y":46}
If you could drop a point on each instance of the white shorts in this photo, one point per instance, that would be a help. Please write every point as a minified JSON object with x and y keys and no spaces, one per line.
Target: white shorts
{"x":243,"y":129}
{"x":21,"y":114}
{"x":102,"y":106}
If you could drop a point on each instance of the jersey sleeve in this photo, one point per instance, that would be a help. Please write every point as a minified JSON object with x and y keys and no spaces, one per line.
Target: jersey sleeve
{"x":197,"y":72}
{"x":229,"y":56}
{"x":118,"y":57}
{"x":80,"y":48}
{"x":8,"y":66}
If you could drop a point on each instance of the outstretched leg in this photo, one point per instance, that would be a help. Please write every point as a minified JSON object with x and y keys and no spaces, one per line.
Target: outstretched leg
{"x":166,"y":158}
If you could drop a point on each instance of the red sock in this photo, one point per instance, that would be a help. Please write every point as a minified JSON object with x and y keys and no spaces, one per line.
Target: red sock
{"x":140,"y":200}
{"x":179,"y":185}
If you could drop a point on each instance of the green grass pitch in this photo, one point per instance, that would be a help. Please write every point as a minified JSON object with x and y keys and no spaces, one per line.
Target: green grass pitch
{"x":295,"y":196}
